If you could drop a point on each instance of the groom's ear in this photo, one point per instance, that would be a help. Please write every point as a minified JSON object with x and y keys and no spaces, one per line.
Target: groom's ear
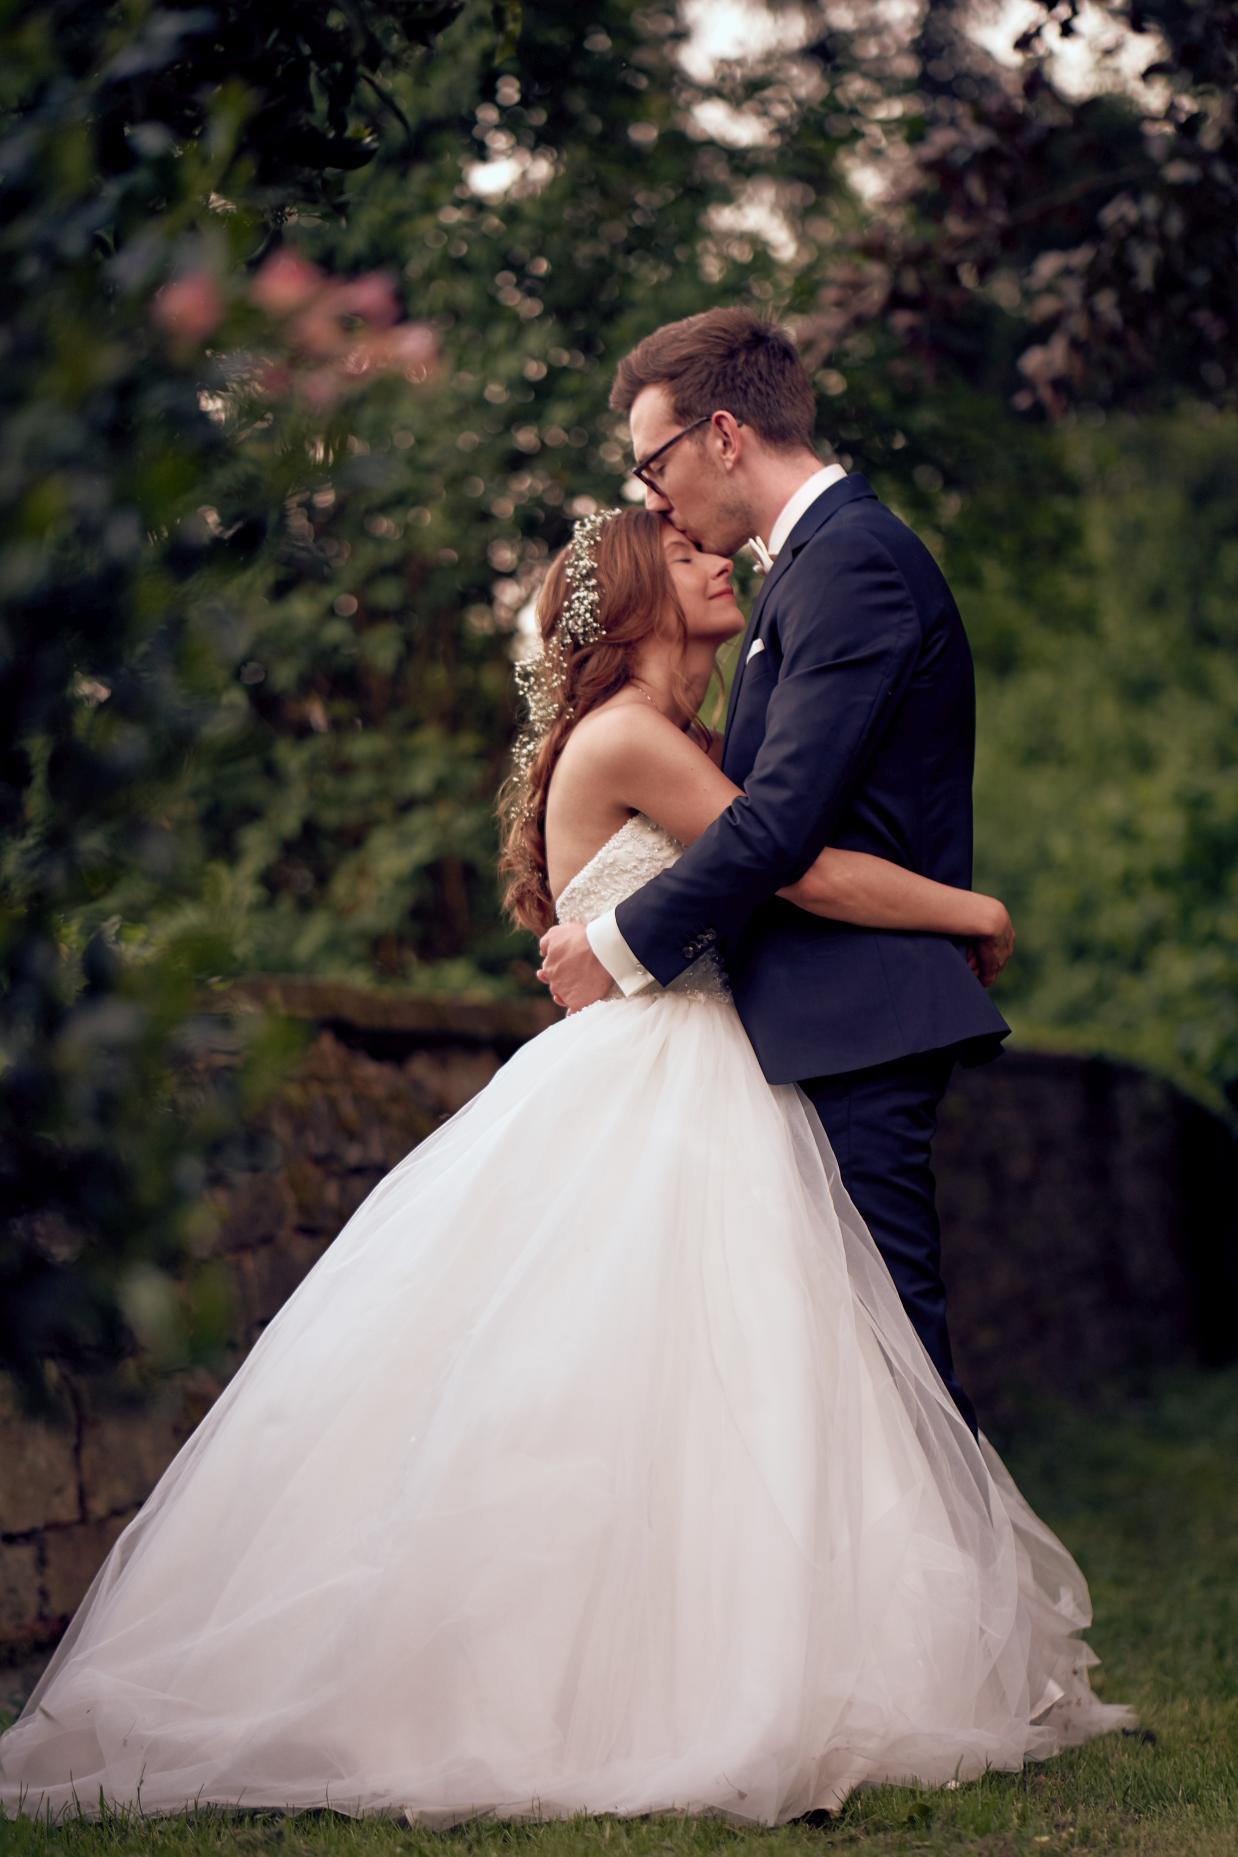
{"x":727,"y":430}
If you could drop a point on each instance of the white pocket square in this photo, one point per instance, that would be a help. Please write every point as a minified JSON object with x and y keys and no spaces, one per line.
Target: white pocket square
{"x":758,"y":644}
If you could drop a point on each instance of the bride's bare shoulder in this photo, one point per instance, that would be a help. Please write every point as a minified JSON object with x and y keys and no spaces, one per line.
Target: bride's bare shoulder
{"x":614,"y":732}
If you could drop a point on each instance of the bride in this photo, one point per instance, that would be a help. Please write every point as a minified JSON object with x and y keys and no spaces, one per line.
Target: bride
{"x":595,"y":1466}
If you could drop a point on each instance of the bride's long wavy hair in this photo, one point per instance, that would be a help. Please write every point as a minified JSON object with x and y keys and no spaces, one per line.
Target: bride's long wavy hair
{"x":635,"y":596}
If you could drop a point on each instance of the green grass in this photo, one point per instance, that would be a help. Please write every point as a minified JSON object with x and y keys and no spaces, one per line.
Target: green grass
{"x":1145,"y":1494}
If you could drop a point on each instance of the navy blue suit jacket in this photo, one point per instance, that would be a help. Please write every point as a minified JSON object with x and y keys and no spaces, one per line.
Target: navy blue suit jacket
{"x":854,"y":727}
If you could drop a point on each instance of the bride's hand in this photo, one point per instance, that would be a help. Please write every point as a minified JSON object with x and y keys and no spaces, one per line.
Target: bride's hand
{"x":571,"y":969}
{"x":987,"y":954}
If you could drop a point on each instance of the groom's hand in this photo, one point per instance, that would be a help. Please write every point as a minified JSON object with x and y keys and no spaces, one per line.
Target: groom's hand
{"x":571,"y":969}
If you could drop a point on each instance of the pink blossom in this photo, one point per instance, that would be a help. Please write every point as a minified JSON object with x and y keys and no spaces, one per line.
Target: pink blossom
{"x":317,"y":330}
{"x":285,"y":282}
{"x":274,"y":378}
{"x":364,"y":357}
{"x":410,"y":349}
{"x":189,"y":308}
{"x":371,"y":296}
{"x":320,"y":388}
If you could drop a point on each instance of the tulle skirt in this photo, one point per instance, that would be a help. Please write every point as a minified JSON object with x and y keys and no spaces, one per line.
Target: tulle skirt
{"x":594,"y":1467}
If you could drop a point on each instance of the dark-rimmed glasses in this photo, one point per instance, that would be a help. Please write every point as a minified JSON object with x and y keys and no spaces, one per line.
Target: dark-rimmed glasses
{"x":640,"y":469}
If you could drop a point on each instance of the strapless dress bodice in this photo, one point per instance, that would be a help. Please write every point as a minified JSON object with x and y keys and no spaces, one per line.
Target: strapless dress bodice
{"x":639,"y":850}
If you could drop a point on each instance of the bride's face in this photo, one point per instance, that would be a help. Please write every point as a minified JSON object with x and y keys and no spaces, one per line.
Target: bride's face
{"x":702,"y":584}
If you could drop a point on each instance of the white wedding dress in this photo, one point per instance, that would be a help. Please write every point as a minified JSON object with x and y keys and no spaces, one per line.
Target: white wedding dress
{"x":594,"y":1467}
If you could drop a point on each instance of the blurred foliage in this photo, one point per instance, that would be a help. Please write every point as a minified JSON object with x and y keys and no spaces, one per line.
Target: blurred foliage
{"x":349,"y":826}
{"x":1089,"y":242}
{"x":140,"y":494}
{"x":1106,"y":810}
{"x":255,"y":647}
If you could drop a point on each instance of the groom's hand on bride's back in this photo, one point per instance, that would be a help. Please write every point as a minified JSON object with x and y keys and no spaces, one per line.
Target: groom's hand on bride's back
{"x":571,"y":969}
{"x":988,"y":954}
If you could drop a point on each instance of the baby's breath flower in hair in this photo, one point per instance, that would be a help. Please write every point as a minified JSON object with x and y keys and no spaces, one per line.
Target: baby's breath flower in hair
{"x":541,"y":678}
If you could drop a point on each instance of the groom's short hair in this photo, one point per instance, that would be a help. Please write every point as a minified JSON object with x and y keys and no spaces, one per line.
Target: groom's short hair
{"x":729,"y":360}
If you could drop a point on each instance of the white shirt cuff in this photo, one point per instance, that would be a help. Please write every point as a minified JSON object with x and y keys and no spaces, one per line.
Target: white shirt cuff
{"x":615,"y":955}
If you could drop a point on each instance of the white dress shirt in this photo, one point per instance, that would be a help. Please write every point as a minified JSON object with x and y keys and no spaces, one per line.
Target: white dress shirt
{"x":800,"y":500}
{"x":603,"y":932}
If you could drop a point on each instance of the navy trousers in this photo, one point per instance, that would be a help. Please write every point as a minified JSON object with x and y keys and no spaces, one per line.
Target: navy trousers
{"x":881,"y":1124}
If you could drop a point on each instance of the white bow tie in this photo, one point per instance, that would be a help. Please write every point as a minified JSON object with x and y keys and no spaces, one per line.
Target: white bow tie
{"x":764,"y":558}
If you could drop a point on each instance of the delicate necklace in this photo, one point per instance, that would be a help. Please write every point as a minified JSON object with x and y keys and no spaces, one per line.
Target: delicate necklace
{"x":635,"y":685}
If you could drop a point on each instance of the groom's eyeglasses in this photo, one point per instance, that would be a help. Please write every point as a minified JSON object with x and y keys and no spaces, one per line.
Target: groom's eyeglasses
{"x":640,"y":470}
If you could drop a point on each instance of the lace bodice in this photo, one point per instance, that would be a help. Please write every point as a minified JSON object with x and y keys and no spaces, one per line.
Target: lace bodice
{"x":628,"y":859}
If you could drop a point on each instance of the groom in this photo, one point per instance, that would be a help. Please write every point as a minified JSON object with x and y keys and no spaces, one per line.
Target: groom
{"x":851,"y":723}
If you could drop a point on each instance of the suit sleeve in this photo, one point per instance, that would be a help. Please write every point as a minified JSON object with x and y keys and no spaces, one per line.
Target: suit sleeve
{"x":616,"y":957}
{"x":851,"y":637}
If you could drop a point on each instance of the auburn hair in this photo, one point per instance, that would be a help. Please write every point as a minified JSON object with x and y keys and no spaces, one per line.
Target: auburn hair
{"x":635,"y":595}
{"x":725,"y":360}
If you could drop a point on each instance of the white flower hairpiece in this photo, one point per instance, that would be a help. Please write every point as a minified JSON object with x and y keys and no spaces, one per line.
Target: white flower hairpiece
{"x":541,"y":678}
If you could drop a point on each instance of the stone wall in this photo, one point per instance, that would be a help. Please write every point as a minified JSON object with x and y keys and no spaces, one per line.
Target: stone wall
{"x":1083,"y":1206}
{"x":1088,"y":1228}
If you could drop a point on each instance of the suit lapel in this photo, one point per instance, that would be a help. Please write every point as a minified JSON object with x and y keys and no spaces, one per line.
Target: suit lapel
{"x":815,"y":516}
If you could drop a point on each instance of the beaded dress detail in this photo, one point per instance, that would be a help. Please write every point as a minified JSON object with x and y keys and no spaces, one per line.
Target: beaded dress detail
{"x":628,"y":859}
{"x":594,"y":1466}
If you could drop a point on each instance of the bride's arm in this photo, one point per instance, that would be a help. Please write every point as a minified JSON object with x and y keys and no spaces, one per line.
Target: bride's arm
{"x":857,"y":886}
{"x":652,"y":766}
{"x":873,"y":892}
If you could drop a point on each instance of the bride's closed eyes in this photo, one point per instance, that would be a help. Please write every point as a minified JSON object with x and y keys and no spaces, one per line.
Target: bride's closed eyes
{"x":703,"y":587}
